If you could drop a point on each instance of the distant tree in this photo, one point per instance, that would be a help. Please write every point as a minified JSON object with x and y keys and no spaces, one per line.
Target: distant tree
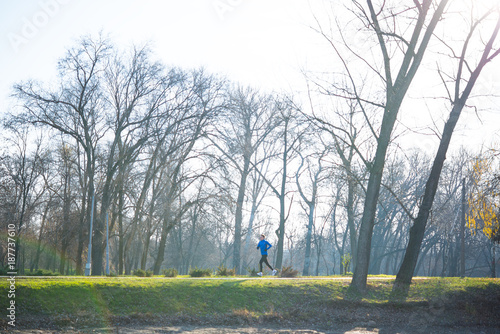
{"x":258,"y":190}
{"x":204,"y":102}
{"x":346,"y":133}
{"x":167,"y":112}
{"x":484,"y":200}
{"x":287,"y":138}
{"x":402,"y":187}
{"x":314,"y":177}
{"x":244,"y":126}
{"x":66,"y":192}
{"x":22,"y":185}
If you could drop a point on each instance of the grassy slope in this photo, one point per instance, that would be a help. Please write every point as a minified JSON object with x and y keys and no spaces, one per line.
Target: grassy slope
{"x":101,"y":301}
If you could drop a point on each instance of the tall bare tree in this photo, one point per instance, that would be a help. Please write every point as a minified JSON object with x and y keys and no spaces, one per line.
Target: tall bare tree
{"x":251,"y":120}
{"x":402,"y":41}
{"x":76,"y":108}
{"x":314,"y":178}
{"x":133,"y":92}
{"x":346,"y":139}
{"x":24,"y":166}
{"x":287,"y":138}
{"x":203,"y":103}
{"x":458,"y":98}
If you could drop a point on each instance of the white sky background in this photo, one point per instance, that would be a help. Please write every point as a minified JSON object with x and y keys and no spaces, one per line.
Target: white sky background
{"x":256,"y":42}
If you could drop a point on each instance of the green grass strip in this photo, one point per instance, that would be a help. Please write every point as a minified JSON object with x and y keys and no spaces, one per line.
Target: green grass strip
{"x":104,"y":297}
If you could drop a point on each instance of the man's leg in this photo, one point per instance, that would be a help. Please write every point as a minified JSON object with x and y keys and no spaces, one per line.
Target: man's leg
{"x":262,"y":259}
{"x":267,"y":263}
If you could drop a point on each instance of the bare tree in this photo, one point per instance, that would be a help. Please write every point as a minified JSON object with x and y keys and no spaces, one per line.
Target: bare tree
{"x":134,"y":94}
{"x":287,"y":137}
{"x":315,"y":178}
{"x":402,"y":41}
{"x":458,"y":101}
{"x":258,"y":193}
{"x":74,"y":110}
{"x":203,"y":103}
{"x":346,"y":140}
{"x":24,"y":167}
{"x":107,"y":102}
{"x":250,"y":122}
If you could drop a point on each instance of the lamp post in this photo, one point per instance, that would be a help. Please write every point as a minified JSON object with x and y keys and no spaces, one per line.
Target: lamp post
{"x":462,"y":231}
{"x":107,"y":244}
{"x":88,"y":266}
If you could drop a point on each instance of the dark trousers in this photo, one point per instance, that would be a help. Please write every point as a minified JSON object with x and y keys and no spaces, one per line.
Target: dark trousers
{"x":263,"y":259}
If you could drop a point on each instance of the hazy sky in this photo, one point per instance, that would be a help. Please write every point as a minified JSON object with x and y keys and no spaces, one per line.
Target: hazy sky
{"x":262,"y":43}
{"x":257,"y":42}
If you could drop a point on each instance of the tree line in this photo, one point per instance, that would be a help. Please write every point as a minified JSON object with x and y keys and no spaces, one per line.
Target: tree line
{"x":183,"y":168}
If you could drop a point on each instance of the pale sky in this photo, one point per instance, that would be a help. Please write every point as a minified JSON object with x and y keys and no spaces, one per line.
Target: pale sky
{"x":255,"y":42}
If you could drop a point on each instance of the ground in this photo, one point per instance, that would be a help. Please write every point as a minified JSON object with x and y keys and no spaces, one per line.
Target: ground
{"x":433,"y":318}
{"x":265,"y":330}
{"x":474,"y":311}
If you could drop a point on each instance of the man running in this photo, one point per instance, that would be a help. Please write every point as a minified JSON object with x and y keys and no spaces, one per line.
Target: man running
{"x":264,"y":245}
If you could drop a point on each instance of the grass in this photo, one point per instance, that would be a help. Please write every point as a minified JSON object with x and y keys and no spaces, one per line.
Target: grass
{"x":107,"y":298}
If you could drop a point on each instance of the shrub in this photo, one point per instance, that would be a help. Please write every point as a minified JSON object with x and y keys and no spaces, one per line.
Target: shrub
{"x":252,"y":272}
{"x":196,"y":272}
{"x":149,"y":273}
{"x":170,"y":272}
{"x":41,"y":272}
{"x":112,"y":274}
{"x":346,"y":263}
{"x":222,"y":270}
{"x":289,"y":272}
{"x":139,"y":273}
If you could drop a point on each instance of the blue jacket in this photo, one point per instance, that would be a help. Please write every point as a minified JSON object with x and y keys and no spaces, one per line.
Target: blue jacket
{"x":264,"y":246}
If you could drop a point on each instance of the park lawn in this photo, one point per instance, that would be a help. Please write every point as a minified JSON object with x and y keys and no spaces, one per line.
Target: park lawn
{"x":103,"y":300}
{"x":130,"y":295}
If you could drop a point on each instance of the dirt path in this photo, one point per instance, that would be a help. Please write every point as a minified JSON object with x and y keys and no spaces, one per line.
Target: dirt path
{"x":263,"y":330}
{"x":197,"y":330}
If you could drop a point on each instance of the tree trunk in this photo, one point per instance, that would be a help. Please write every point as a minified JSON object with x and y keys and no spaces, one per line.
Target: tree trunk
{"x":307,"y":259}
{"x":360,"y":275}
{"x":239,"y":213}
{"x":81,"y":239}
{"x":66,"y":213}
{"x":166,"y":227}
{"x":311,"y":206}
{"x":148,"y":235}
{"x":121,"y":233}
{"x":493,"y":261}
{"x":248,"y":238}
{"x":98,"y":246}
{"x":280,"y":232}
{"x":145,"y":250}
{"x":98,"y":241}
{"x":91,"y":194}
{"x":318,"y":257}
{"x":462,"y":231}
{"x":39,"y":242}
{"x":353,"y":237}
